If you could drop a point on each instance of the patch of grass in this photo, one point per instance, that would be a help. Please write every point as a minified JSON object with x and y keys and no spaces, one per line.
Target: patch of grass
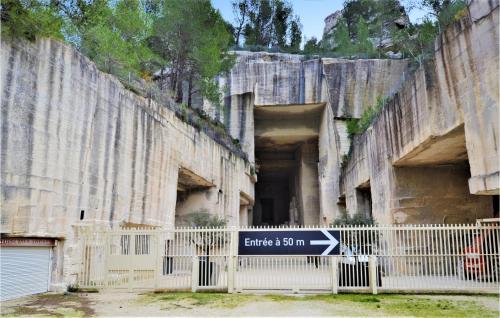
{"x":401,"y":305}
{"x":190,"y":300}
{"x":427,"y":307}
{"x":54,"y":305}
{"x":327,"y":298}
{"x":32,"y":312}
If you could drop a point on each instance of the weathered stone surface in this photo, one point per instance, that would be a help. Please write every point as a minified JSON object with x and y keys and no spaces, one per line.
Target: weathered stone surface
{"x":383,"y":41}
{"x":445,"y":114}
{"x":271,"y":102}
{"x":73,"y":139}
{"x":275,"y":79}
{"x":331,"y":22}
{"x":355,"y":85}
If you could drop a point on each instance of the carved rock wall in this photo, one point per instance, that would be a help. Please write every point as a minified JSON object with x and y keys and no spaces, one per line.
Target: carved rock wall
{"x":446,"y":114}
{"x":74,"y":139}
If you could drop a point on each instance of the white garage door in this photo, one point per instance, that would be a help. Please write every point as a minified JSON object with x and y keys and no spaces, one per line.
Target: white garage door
{"x":24,"y":271}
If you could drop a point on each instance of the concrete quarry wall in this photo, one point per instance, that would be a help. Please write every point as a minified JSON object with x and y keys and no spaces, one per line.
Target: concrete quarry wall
{"x":263,"y":79}
{"x":73,"y":139}
{"x":433,"y":150}
{"x":277,"y":102}
{"x":445,"y":113}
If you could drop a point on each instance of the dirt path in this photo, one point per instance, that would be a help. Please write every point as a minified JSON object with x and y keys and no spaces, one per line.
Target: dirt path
{"x":211,"y":304}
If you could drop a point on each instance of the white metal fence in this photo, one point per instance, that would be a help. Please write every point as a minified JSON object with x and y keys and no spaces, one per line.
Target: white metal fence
{"x":425,"y":258}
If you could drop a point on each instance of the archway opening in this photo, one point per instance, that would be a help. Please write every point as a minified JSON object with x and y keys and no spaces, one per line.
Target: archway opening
{"x":286,"y":154}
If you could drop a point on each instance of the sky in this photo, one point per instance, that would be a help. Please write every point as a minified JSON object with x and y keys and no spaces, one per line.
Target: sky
{"x":312,"y":13}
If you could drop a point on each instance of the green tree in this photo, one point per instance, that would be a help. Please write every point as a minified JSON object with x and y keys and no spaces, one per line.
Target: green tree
{"x":82,"y":16}
{"x":281,"y":22}
{"x":295,"y":34}
{"x":269,"y":23}
{"x":258,"y":30}
{"x":416,"y":41}
{"x":342,"y":40}
{"x":29,"y":19}
{"x":118,"y":42}
{"x":313,"y":46}
{"x":442,"y":11}
{"x":355,"y":9}
{"x":193,"y":37}
{"x":241,"y":10}
{"x":363,"y":43}
{"x":379,"y":15}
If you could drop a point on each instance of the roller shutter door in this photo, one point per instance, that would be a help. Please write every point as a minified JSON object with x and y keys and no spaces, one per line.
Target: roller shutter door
{"x":24,"y":271}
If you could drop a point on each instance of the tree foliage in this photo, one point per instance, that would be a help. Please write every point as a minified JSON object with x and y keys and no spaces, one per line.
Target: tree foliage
{"x":202,"y":218}
{"x":193,"y":37}
{"x":312,"y":46}
{"x":295,"y":34}
{"x":416,"y":41}
{"x":363,"y":43}
{"x":356,"y":219}
{"x":28,"y":19}
{"x":343,"y":43}
{"x":188,"y":38}
{"x":364,"y":22}
{"x":267,"y":23}
{"x":241,"y":10}
{"x":117,"y":39}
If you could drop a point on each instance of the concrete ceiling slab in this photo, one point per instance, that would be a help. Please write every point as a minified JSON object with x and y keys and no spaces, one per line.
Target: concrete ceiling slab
{"x":284,"y":127}
{"x":438,"y":150}
{"x":188,"y":180}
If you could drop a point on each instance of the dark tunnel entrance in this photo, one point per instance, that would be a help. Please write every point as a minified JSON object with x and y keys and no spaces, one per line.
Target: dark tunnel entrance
{"x":286,"y":153}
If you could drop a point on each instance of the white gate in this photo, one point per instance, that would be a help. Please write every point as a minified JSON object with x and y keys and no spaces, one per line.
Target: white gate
{"x":412,"y":258}
{"x":144,"y":258}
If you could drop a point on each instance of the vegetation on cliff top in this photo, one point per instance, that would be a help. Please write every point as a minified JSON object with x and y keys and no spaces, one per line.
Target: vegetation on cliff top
{"x":153,"y":46}
{"x":356,"y":126}
{"x":373,"y":28}
{"x":266,"y":24}
{"x":187,"y":40}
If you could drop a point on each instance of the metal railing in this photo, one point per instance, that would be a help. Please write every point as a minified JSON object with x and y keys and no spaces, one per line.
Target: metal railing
{"x":412,"y":258}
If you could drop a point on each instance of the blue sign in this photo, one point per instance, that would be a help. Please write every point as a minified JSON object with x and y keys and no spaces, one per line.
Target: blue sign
{"x":298,"y":242}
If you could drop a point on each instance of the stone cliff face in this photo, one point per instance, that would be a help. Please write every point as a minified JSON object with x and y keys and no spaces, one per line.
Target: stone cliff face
{"x":265,"y":93}
{"x":355,"y":85}
{"x":259,"y":79}
{"x":73,"y":140}
{"x":436,"y":143}
{"x":448,"y":106}
{"x":399,"y":19}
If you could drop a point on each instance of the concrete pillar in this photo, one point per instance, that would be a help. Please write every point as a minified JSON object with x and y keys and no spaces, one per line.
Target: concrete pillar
{"x":243,"y":221}
{"x":308,"y":183}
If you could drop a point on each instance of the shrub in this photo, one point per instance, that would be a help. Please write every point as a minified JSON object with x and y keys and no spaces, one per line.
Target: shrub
{"x":356,"y":219}
{"x":357,"y":126}
{"x":202,"y":218}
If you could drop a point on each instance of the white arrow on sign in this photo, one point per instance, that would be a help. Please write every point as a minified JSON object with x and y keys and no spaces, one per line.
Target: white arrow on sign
{"x":332,"y":241}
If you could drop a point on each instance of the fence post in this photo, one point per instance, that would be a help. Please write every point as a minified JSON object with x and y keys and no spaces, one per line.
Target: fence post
{"x":372,"y":265}
{"x":232,"y":260}
{"x":334,"y":261}
{"x":131,"y":254}
{"x":158,"y":257}
{"x":195,"y":272}
{"x":107,"y":251}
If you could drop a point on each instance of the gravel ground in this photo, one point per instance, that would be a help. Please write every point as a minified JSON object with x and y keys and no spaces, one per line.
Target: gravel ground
{"x":107,"y":304}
